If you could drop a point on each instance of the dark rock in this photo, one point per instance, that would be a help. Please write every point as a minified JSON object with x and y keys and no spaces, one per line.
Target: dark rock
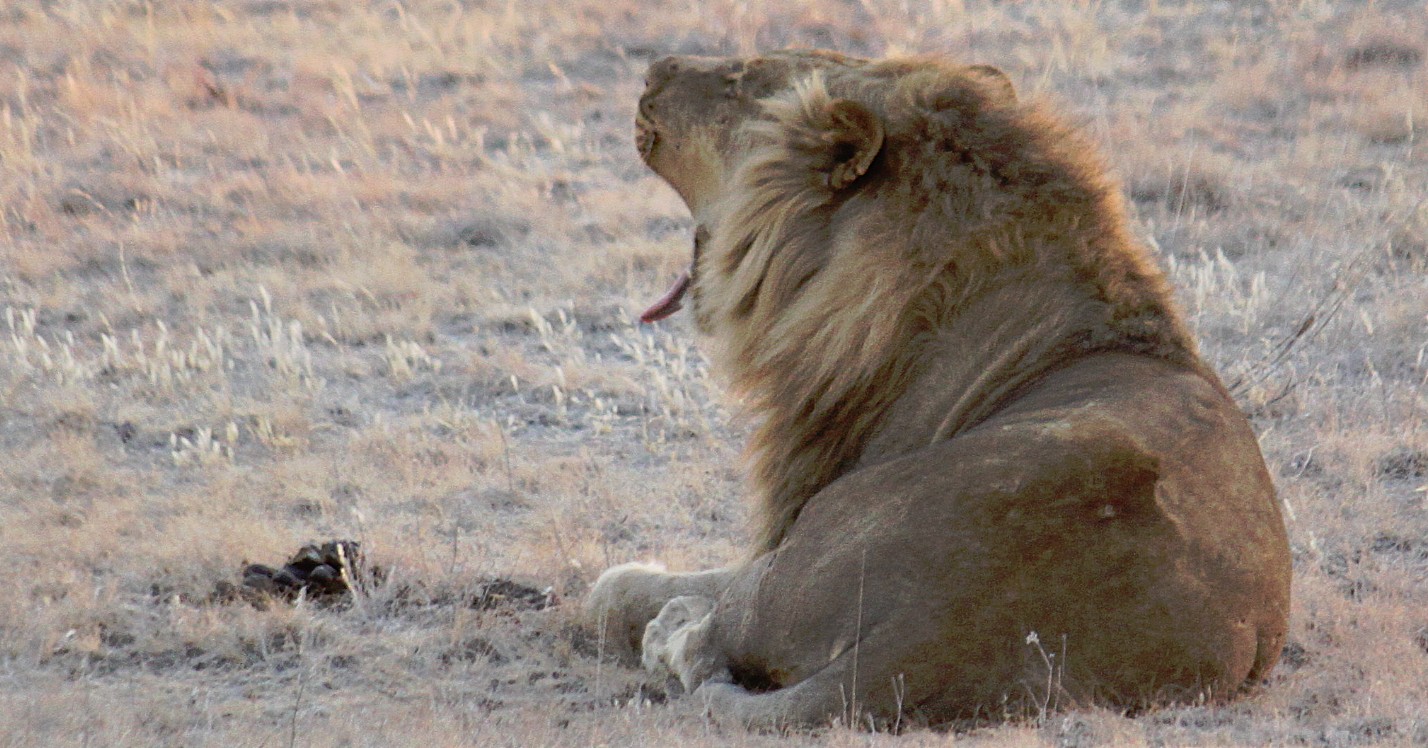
{"x":321,"y":572}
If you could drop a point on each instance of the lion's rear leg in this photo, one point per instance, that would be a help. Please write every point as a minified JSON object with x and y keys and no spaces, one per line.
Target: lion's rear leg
{"x":627,"y":597}
{"x":862,"y":686}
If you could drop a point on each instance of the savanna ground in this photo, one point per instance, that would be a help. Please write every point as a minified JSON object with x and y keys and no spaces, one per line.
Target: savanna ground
{"x":274,"y":271}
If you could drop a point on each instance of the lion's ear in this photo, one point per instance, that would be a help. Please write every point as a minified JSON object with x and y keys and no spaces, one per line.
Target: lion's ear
{"x":996,"y":80}
{"x":854,"y":137}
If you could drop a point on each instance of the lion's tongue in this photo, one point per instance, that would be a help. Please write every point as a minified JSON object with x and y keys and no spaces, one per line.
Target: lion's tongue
{"x":668,"y":303}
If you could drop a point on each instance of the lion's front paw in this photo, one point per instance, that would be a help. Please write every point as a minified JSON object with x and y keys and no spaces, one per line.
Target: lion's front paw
{"x":620,"y":604}
{"x":676,"y":641}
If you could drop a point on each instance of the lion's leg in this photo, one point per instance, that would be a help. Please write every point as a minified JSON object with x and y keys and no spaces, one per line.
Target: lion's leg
{"x":627,"y":597}
{"x":859,"y":687}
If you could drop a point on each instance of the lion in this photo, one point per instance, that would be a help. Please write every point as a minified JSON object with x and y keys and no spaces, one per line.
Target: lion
{"x":993,"y":475}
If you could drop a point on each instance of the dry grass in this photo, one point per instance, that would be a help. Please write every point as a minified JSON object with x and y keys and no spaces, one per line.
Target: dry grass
{"x":274,"y":271}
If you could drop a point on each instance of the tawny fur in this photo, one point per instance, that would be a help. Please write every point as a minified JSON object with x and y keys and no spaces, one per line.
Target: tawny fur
{"x":820,"y":300}
{"x":979,"y":414}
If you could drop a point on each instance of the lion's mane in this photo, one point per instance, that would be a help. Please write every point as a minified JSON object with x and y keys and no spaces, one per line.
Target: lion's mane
{"x":828,"y":299}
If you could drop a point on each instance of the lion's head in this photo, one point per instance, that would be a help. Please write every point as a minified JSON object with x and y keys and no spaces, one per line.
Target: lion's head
{"x":701,"y":117}
{"x":850,"y":212}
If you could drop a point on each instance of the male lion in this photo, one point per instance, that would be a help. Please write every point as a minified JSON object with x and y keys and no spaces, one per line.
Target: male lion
{"x":993,"y":473}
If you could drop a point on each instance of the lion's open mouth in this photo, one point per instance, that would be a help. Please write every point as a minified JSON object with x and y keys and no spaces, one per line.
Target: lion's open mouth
{"x":672,"y":300}
{"x":644,"y":137}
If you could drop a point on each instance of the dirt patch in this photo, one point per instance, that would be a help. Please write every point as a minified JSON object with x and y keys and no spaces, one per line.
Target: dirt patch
{"x":503,"y":593}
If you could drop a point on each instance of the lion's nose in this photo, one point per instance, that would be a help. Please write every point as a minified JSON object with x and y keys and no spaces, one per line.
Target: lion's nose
{"x":660,"y":72}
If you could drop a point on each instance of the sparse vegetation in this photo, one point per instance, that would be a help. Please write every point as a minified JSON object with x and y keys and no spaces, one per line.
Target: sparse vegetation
{"x":273,"y":272}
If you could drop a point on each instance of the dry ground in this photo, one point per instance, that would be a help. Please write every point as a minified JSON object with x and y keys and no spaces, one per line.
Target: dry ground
{"x":282,"y":270}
